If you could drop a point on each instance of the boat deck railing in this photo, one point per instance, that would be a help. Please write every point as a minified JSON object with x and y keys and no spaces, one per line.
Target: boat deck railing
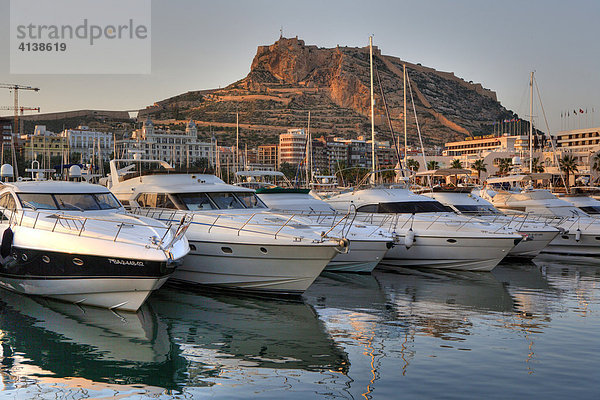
{"x":76,"y":225}
{"x":565,"y":222}
{"x":251,"y":223}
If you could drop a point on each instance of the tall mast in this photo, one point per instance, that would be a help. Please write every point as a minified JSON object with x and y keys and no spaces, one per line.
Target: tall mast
{"x":309,"y":154}
{"x":531,"y":123}
{"x":372,"y":111}
{"x":405,"y":136}
{"x":237,"y":141}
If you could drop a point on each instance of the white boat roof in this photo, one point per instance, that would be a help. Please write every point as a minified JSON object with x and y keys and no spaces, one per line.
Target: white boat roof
{"x":377,"y":195}
{"x":458,"y":198}
{"x":445,"y":172}
{"x":581,"y":201}
{"x":177,"y":183}
{"x":259,"y":173}
{"x":520,"y":178}
{"x":55,"y":187}
{"x":294,"y":202}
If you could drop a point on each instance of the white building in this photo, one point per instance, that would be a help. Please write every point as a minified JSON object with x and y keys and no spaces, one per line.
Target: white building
{"x":86,"y":142}
{"x":292,"y":146}
{"x":179,"y":148}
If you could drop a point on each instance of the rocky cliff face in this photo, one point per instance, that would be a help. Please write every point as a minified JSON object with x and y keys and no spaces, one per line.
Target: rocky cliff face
{"x":288,"y":79}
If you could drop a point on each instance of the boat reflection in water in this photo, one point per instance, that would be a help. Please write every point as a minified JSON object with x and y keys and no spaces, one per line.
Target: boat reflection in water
{"x":224,"y":331}
{"x":353,"y":336}
{"x":54,"y":347}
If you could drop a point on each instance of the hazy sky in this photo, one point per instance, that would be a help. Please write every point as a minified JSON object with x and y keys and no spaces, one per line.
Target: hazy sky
{"x":207,"y":44}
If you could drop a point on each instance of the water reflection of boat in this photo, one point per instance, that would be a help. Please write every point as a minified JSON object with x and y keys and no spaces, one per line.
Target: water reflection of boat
{"x":438,"y":290}
{"x":46,"y":341}
{"x":571,"y":277}
{"x":355,"y":292}
{"x":219,"y":331}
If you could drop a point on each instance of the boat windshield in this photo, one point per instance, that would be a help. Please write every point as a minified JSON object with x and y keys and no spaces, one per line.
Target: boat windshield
{"x":477,"y":209}
{"x":220,"y":201}
{"x":250,"y":200}
{"x":69,"y":201}
{"x":591,"y":209}
{"x":405,"y":207}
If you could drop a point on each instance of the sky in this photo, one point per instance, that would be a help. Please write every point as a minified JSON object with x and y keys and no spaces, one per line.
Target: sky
{"x":197,"y":44}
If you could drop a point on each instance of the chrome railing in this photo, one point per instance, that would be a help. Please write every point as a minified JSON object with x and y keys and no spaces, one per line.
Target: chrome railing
{"x":262,"y":222}
{"x":79,"y":225}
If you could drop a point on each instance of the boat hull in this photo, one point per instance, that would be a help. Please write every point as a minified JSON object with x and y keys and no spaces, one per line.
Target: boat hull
{"x":84,"y":279}
{"x":533,"y":245}
{"x":278,"y":269}
{"x":567,"y":244}
{"x":362,"y":257}
{"x":461,"y":253}
{"x":127,"y":294}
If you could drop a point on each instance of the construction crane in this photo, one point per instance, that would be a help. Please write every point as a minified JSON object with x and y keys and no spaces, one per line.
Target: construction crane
{"x":22,"y":109}
{"x":15,"y":88}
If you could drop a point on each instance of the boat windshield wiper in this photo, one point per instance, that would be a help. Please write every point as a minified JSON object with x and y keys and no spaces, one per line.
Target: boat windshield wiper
{"x":28,"y":204}
{"x":73,"y":206}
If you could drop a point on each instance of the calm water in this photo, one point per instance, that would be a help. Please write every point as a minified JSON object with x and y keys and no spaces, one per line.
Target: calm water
{"x":525,"y":330}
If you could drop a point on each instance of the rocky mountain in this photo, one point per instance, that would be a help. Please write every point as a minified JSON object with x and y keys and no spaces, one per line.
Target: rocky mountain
{"x":289,"y":78}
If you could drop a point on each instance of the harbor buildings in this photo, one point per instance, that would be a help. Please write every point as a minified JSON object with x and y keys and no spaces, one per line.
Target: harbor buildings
{"x":86,"y":142}
{"x":177,"y":147}
{"x":44,"y":144}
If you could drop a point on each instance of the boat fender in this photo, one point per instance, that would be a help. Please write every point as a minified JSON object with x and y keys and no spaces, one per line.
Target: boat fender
{"x":344,"y":243}
{"x":7,"y":240}
{"x":409,"y":238}
{"x":577,"y":235}
{"x":343,"y":246}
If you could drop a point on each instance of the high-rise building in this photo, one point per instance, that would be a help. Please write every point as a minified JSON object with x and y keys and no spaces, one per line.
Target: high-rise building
{"x":292,"y":146}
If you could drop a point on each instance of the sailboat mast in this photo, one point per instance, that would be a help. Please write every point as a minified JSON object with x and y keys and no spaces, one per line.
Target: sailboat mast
{"x":405,"y":136}
{"x":531,"y":123}
{"x":372,"y":110}
{"x":237,"y":141}
{"x":309,"y":155}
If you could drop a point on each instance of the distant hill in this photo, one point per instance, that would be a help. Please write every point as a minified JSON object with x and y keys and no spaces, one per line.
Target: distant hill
{"x":288,"y":78}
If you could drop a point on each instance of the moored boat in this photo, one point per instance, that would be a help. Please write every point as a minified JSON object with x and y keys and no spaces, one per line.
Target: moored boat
{"x":75,"y":242}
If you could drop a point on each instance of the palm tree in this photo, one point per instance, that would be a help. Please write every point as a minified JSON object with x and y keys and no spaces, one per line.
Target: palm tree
{"x":536,"y":165}
{"x":412,"y":164}
{"x":479,"y":166}
{"x":456,"y":164}
{"x":433,"y":165}
{"x":568,"y":165}
{"x":504,"y":166}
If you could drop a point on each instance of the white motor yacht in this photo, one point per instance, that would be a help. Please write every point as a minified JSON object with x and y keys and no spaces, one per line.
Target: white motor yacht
{"x":427,"y":233}
{"x":536,"y":235}
{"x":74,"y":242}
{"x":368,"y":244}
{"x":235,"y":241}
{"x":513,"y":194}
